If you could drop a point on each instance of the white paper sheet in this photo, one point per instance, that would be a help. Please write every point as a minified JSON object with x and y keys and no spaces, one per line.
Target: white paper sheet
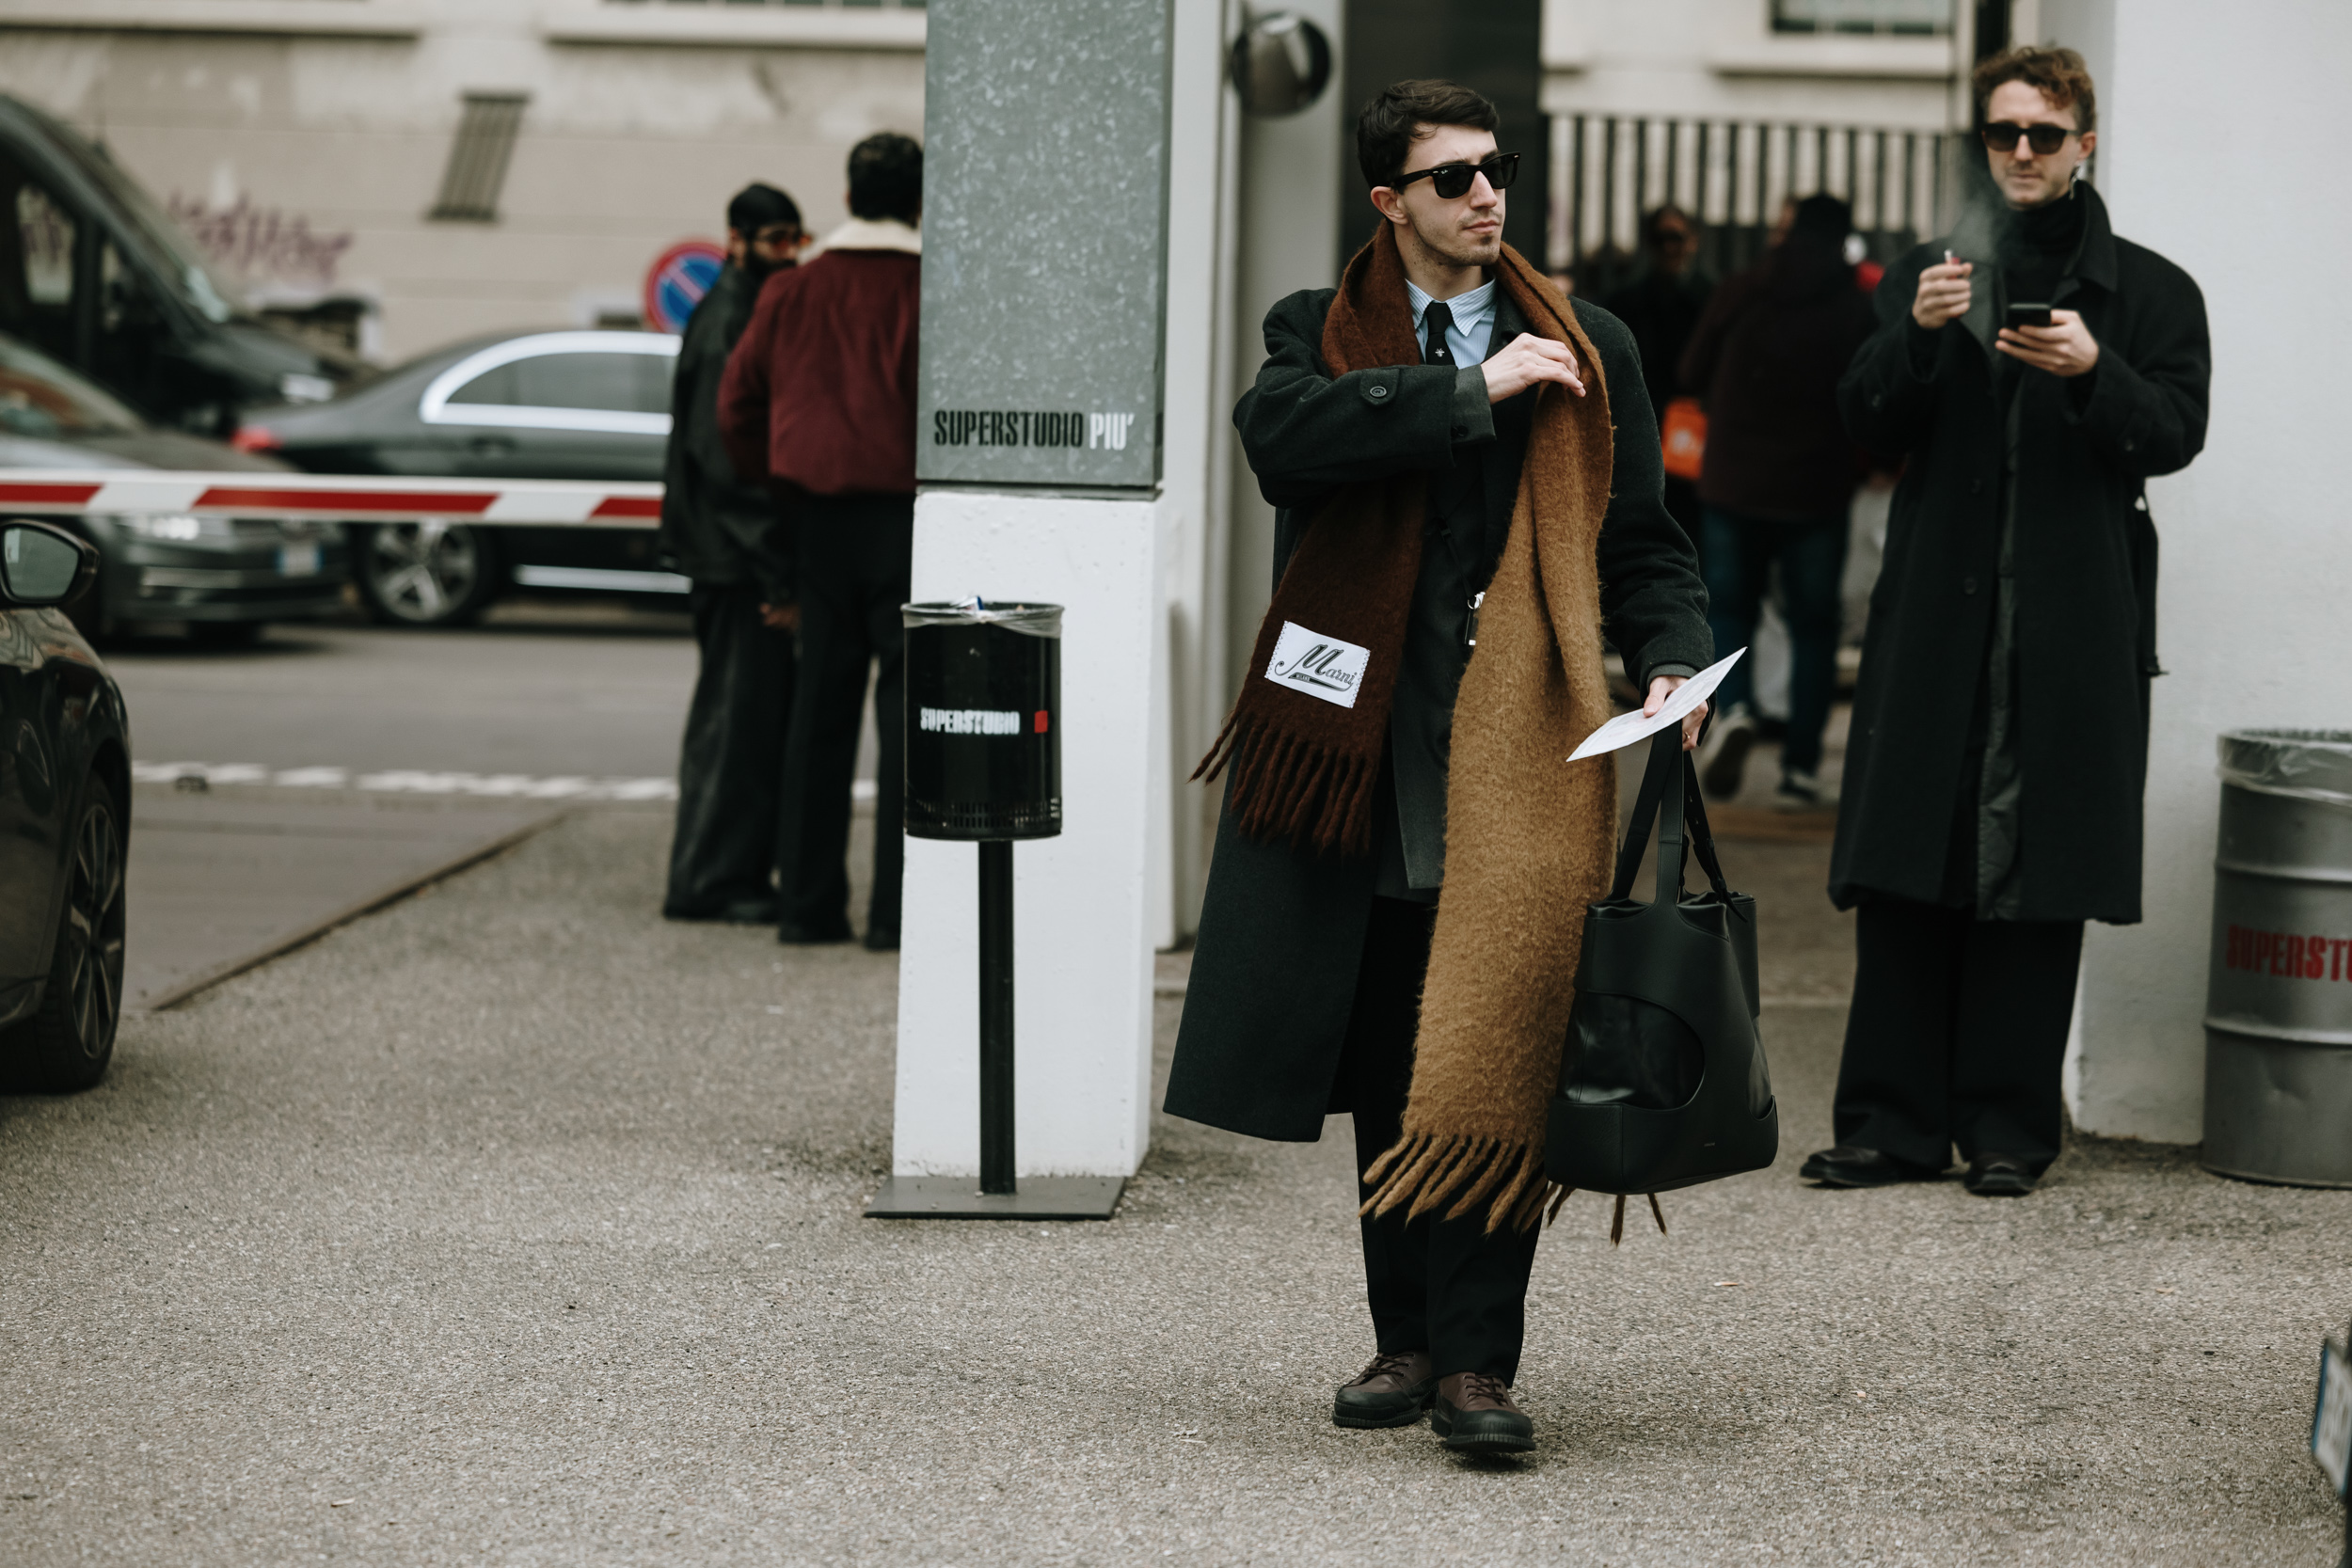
{"x":1626,"y":728}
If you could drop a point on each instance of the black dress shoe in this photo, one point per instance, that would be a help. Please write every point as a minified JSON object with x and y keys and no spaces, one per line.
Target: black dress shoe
{"x":882,"y":941}
{"x":1999,"y":1176}
{"x":1847,"y":1165}
{"x":1392,"y":1391}
{"x":1474,"y":1413}
{"x":792,"y":933}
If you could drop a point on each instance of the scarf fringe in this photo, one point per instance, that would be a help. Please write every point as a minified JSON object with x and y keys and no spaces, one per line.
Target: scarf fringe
{"x":1428,"y":1171}
{"x":1288,"y":788}
{"x":1559,"y":1196}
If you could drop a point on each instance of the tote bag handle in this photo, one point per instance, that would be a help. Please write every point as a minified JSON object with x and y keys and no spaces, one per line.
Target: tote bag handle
{"x":1671,"y":780}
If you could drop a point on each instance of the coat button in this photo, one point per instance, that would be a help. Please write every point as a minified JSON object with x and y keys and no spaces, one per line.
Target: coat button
{"x":1968,"y":585}
{"x":1975,"y":486}
{"x":1378,"y":391}
{"x":2130,"y":445}
{"x":1876,"y":400}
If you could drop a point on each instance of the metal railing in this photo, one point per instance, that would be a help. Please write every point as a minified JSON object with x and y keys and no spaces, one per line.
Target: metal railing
{"x":1731,"y":177}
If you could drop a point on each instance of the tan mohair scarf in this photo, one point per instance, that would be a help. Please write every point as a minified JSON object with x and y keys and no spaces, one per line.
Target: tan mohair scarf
{"x":1529,"y":836}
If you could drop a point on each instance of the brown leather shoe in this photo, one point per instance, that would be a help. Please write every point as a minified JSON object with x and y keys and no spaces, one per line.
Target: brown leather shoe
{"x":1391,"y":1391}
{"x":1475,"y":1414}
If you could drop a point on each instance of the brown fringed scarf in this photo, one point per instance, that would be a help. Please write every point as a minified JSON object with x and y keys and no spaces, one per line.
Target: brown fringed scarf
{"x":1529,"y":836}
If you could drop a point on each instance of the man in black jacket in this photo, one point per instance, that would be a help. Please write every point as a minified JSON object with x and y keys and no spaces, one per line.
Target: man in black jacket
{"x":1307,"y":988}
{"x":728,"y":538}
{"x":1999,"y":747}
{"x":1778,"y":477}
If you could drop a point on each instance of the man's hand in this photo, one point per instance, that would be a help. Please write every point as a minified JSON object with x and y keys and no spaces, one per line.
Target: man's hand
{"x":2065,"y":347}
{"x":1525,"y":360}
{"x":1944,"y":294}
{"x":780,"y":617}
{"x":1659,"y":690}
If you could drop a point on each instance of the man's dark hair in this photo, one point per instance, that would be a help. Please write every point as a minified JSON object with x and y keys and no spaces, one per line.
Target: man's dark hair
{"x":1823,"y":215}
{"x":756,"y":207}
{"x":2058,"y":74}
{"x":1384,"y":132}
{"x":886,"y":177}
{"x":1656,"y":217}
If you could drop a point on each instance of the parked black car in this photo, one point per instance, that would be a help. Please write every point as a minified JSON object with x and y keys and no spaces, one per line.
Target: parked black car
{"x":95,"y":275}
{"x":223,"y":578}
{"x":65,"y":820}
{"x":587,"y":405}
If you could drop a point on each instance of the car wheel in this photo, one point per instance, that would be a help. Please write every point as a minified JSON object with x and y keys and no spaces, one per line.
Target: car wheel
{"x":427,"y":574}
{"x":65,"y":1045}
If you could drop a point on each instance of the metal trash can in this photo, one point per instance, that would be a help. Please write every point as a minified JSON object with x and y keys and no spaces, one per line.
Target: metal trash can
{"x":2279,"y":999}
{"x":983,"y":704}
{"x":983,"y":759}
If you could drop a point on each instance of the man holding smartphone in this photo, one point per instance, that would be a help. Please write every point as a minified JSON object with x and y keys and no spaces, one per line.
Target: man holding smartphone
{"x":2033,"y":371}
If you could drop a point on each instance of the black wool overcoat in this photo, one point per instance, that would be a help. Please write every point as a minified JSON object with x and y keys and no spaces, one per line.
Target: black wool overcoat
{"x":2084,"y":581}
{"x":1283,"y":928}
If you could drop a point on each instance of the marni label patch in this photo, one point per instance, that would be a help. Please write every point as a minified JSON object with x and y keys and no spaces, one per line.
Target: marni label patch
{"x":1318,"y":666}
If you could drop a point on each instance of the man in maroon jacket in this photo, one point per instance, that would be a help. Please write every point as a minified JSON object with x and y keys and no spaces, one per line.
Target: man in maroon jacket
{"x":818,"y":399}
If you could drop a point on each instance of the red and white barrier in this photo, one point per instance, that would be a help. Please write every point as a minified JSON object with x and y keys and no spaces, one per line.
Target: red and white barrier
{"x":331,"y":497}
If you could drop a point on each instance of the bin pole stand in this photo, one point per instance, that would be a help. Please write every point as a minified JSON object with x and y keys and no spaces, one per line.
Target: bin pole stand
{"x":996,"y":1124}
{"x":997,"y":1196}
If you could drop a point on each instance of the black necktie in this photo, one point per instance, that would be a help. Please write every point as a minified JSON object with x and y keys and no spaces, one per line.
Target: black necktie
{"x":1437,"y":321}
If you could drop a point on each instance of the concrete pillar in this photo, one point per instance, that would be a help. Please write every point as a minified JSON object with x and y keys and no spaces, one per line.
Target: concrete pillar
{"x":2255,"y":554}
{"x":1049,"y":180}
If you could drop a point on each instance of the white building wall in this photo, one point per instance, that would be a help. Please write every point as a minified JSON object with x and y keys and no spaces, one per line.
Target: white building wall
{"x":1719,"y":59}
{"x":2255,"y":561}
{"x":642,"y":121}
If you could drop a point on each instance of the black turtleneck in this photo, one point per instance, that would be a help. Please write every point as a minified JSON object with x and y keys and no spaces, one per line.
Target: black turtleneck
{"x":2038,"y":245}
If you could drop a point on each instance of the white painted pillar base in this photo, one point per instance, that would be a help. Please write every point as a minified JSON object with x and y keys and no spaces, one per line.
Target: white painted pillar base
{"x":1082,"y":924}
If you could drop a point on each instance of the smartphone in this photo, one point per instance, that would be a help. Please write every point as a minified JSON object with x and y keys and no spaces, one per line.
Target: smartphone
{"x":2028,"y":315}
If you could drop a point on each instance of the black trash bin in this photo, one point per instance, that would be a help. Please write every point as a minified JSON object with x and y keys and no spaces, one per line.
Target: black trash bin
{"x":983,"y":761}
{"x":983,"y":709}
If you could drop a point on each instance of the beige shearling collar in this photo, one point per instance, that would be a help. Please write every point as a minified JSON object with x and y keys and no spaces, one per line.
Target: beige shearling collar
{"x":875,"y":234}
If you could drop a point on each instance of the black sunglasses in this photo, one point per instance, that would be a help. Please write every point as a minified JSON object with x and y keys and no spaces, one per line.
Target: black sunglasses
{"x":1452,"y":181}
{"x":2001,"y":136}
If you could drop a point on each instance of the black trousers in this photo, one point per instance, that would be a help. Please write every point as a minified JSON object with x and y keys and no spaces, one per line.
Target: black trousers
{"x":1444,"y":1285}
{"x":856,"y":558}
{"x":730,"y":776}
{"x":1958,"y":1033}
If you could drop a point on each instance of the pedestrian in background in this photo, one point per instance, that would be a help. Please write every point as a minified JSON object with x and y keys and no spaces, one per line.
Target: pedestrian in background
{"x":818,"y":403}
{"x":1999,"y":750}
{"x":1400,"y":424}
{"x":1662,"y":307}
{"x":1778,"y":479}
{"x":726,"y":537}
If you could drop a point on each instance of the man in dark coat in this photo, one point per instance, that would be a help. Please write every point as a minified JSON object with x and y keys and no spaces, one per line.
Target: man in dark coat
{"x":726,"y":537}
{"x":818,"y":401}
{"x":1994,"y":777}
{"x":1306,"y":987}
{"x":1779,"y":477}
{"x":1662,"y":307}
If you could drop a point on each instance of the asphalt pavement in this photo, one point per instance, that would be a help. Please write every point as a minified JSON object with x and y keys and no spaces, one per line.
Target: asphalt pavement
{"x":285,"y":788}
{"x":511,"y":1224}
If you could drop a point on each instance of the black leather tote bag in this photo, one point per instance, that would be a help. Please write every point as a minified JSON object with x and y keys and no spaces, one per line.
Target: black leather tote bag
{"x":1663,"y":1082}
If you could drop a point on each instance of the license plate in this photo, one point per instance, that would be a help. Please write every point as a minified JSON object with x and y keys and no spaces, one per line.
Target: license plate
{"x":298,"y":561}
{"x":2331,"y":1416}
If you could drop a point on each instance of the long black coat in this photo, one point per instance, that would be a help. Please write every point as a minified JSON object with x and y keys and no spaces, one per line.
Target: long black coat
{"x":715,"y":527}
{"x":2085,"y":577}
{"x":1281,"y":929}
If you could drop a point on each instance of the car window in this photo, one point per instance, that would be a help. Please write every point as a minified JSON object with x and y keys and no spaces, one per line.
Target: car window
{"x":40,"y":397}
{"x":621,"y":382}
{"x":37,"y":234}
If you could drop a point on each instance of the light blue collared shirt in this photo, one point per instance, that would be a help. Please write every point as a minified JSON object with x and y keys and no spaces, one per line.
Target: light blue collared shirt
{"x":1473,"y":326}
